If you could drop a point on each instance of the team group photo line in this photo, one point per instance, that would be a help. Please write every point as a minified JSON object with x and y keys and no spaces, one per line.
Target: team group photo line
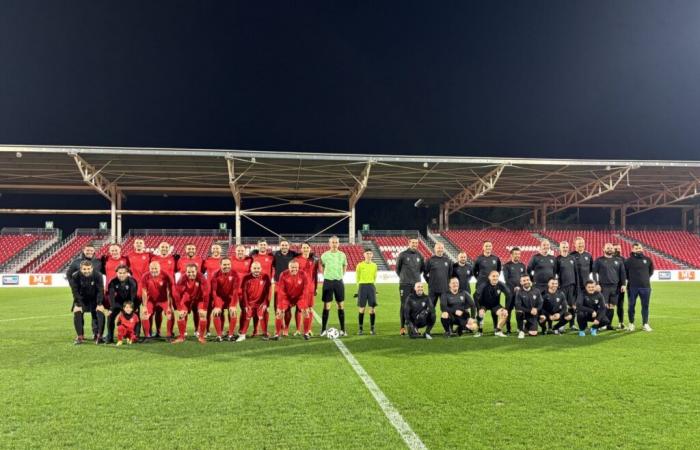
{"x":132,"y":294}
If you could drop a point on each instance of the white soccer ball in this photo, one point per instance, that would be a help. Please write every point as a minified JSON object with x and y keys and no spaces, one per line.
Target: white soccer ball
{"x":332,"y":333}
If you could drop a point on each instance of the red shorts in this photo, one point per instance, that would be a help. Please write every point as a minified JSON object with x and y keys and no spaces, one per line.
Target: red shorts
{"x":152,"y":307}
{"x":299,"y":302}
{"x":201,"y":305}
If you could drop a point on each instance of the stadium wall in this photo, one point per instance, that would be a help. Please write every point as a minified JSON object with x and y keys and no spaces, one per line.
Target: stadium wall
{"x":383,"y":277}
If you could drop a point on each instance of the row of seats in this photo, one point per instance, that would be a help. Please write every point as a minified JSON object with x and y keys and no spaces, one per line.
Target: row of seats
{"x":596,"y":240}
{"x":11,"y":244}
{"x":472,"y":241}
{"x":65,"y":254}
{"x":682,"y":245}
{"x":392,"y":246}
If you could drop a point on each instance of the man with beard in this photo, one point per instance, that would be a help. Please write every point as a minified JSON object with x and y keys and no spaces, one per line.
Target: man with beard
{"x":591,"y":307}
{"x":568,"y":281}
{"x":555,"y":309}
{"x":438,"y":270}
{"x":639,"y":269}
{"x":609,"y":272}
{"x":409,"y":267}
{"x":528,"y":308}
{"x":512,"y":271}
{"x":488,"y":297}
{"x":419,"y":312}
{"x":455,"y":307}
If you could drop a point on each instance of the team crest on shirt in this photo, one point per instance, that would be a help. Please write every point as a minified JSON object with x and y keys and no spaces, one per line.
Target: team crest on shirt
{"x":461,"y":297}
{"x":299,"y":282}
{"x":571,"y":261}
{"x":586,"y":258}
{"x":261,"y":282}
{"x":534,"y":296}
{"x":615,"y":262}
{"x":644,"y":261}
{"x":521,"y":269}
{"x":551,"y":261}
{"x":143,"y":257}
{"x":160,"y":283}
{"x":493,"y":261}
{"x":445,"y":263}
{"x":422,"y":303}
{"x":230,"y":278}
{"x":498,"y":291}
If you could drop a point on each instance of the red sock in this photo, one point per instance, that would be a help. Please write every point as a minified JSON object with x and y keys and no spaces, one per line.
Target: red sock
{"x":208,"y":320}
{"x":170,"y":326}
{"x":278,"y":326}
{"x":202,"y":328}
{"x":147,"y":327}
{"x":307,"y":324}
{"x":232,"y":324}
{"x":218,"y":325}
{"x":297,"y":319}
{"x":264,"y":322}
{"x":244,"y":326}
{"x":182,"y":327}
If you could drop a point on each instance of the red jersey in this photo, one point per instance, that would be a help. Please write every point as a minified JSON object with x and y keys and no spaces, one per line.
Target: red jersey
{"x":241,"y":267}
{"x":267,"y":262}
{"x":110,"y":266}
{"x":291,"y":286}
{"x":157,"y":288}
{"x":184,"y":261}
{"x":211,"y":265}
{"x":310,"y":268}
{"x":167,"y":264}
{"x":130,"y":323}
{"x":138,"y":263}
{"x":224,"y":288}
{"x":255,"y":290}
{"x":192,"y":292}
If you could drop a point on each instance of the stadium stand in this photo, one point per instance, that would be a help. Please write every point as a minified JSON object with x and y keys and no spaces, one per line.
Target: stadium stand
{"x":12,"y":244}
{"x":596,"y":239}
{"x":680,"y":245}
{"x":69,"y":249}
{"x":471,"y":242}
{"x":391,"y":246}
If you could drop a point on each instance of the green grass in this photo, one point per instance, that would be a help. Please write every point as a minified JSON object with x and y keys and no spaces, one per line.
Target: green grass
{"x":619,"y":390}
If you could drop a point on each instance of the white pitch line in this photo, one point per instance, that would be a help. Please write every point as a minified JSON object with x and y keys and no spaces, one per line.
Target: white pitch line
{"x":395,"y":418}
{"x":34,"y":318}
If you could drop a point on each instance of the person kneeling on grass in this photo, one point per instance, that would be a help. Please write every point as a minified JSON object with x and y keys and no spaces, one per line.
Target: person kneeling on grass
{"x":366,"y":274}
{"x":591,"y":307}
{"x":419,"y":312}
{"x":528,"y":308}
{"x":488,"y":297}
{"x":455,"y":306}
{"x":87,"y":288}
{"x":556,"y":309}
{"x":127,"y":321}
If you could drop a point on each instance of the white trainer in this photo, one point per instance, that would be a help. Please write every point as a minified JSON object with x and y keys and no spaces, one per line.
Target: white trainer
{"x":324,"y":333}
{"x":241,"y":338}
{"x":477,"y":334}
{"x":646,"y":327}
{"x":500,"y":334}
{"x":630,"y":327}
{"x":521,"y":335}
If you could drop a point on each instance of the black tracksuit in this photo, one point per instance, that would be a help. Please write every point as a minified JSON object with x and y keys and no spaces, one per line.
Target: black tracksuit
{"x":451,"y":303}
{"x":610,"y":274}
{"x":584,"y":268}
{"x":639,"y":270}
{"x":88,"y":293}
{"x":488,"y":297}
{"x":282,"y":262}
{"x":483,"y":266}
{"x":556,"y":303}
{"x":419,"y":312}
{"x":512,"y":271}
{"x":525,"y":301}
{"x":409,"y":267}
{"x":74,"y":266}
{"x":586,"y":305}
{"x":567,"y":272}
{"x":118,"y":293}
{"x":542,"y":268}
{"x":437,"y":272}
{"x":464,"y":274}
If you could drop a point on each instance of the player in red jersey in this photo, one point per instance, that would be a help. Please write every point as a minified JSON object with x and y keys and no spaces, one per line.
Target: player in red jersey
{"x":290,"y":290}
{"x":167,"y":262}
{"x":255,"y":294}
{"x":308,"y":264}
{"x":112,"y":261}
{"x":190,"y":257}
{"x":264,"y":257}
{"x":156,"y":295}
{"x":139,"y":260}
{"x":192,"y":293}
{"x":241,"y":265}
{"x":211,"y":265}
{"x":224,"y":293}
{"x":127,"y":320}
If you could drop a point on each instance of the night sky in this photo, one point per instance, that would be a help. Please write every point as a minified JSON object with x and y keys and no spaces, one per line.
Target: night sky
{"x":499,"y":78}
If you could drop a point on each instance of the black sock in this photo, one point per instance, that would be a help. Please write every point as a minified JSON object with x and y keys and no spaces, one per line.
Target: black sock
{"x":78,"y":323}
{"x":361,"y":319}
{"x":100,"y":324}
{"x":341,"y":319}
{"x":446,"y":324}
{"x":324,"y":319}
{"x":611,"y":316}
{"x":372,"y":316}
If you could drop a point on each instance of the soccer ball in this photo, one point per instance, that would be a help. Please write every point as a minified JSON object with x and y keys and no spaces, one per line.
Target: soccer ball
{"x":332,"y":333}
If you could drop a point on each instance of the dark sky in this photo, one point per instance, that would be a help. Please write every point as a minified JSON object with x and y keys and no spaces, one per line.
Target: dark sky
{"x":502,"y":78}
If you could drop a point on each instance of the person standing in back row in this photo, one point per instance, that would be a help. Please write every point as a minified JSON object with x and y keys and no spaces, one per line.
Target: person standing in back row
{"x":639,"y":268}
{"x":486,"y":263}
{"x":568,"y":281}
{"x":333,"y":266}
{"x":512,"y":271}
{"x":438,"y":271}
{"x":542,"y":266}
{"x":409,"y":267}
{"x":609,"y":272}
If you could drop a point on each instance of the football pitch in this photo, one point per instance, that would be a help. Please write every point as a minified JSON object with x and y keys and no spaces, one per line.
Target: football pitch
{"x":616,"y":390}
